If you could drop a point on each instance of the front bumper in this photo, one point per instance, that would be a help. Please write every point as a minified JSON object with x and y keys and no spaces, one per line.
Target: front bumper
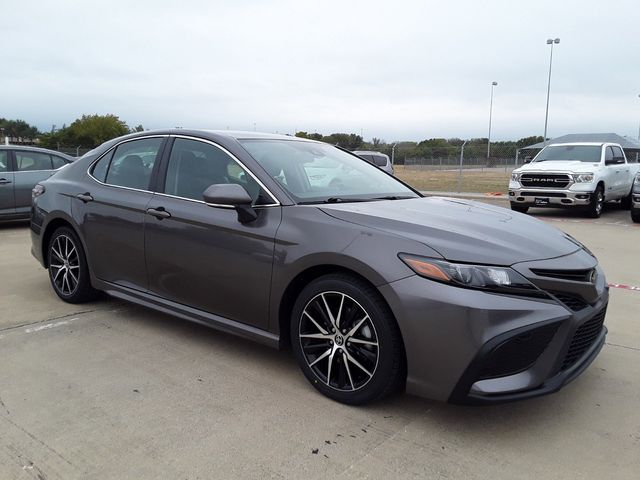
{"x":451,"y":336}
{"x":635,"y":200}
{"x":556,"y":198}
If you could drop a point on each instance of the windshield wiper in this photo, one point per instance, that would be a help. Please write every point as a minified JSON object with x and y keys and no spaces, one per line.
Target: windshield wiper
{"x":337,"y":200}
{"x":395,"y":197}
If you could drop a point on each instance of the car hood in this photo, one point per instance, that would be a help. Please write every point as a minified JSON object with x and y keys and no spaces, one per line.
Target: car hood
{"x":461,"y":230}
{"x":559,"y":166}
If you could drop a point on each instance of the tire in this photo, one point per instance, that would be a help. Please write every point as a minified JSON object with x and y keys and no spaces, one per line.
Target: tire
{"x":362,"y":360}
{"x":68,"y":270}
{"x":519,"y":208}
{"x":635,"y":215}
{"x":594,"y":210}
{"x":625,"y":202}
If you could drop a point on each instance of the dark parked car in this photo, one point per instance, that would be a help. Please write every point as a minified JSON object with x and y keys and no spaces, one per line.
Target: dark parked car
{"x":21,"y":168}
{"x":635,"y":200}
{"x":373,"y":286}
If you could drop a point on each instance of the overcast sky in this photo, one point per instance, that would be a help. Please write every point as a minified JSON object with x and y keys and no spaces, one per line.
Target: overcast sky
{"x":397,"y":70}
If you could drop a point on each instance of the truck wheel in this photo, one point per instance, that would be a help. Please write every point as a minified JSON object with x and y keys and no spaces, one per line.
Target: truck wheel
{"x":635,"y":215}
{"x":519,"y":208}
{"x":625,"y":202}
{"x":597,"y":203}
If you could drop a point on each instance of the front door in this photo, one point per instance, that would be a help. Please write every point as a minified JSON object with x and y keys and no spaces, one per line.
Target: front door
{"x":111,"y":213}
{"x":202,"y":256}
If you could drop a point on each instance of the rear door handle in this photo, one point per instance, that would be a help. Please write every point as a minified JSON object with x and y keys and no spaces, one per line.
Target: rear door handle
{"x":159,"y":213}
{"x":4,"y":181}
{"x":85,"y":197}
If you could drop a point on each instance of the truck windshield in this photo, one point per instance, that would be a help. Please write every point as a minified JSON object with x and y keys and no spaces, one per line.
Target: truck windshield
{"x":580,"y":153}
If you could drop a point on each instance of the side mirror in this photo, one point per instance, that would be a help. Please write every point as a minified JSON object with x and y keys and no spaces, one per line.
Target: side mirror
{"x":610,"y":161}
{"x":231,"y":195}
{"x":528,"y":159}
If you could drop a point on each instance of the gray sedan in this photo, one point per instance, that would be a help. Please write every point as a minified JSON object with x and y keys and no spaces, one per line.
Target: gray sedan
{"x":373,"y":286}
{"x":21,"y":168}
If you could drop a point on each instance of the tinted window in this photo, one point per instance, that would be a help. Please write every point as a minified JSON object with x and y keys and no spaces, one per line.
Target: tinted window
{"x":58,"y":161}
{"x":608,"y":154}
{"x":617,"y":154}
{"x":380,"y":160}
{"x":368,"y":158}
{"x":194,"y":166}
{"x":100,"y":168}
{"x":4,"y":161}
{"x":133,"y":162}
{"x":31,"y":161}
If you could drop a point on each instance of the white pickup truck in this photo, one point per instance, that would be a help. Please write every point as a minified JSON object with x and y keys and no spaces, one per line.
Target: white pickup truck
{"x":573,"y":175}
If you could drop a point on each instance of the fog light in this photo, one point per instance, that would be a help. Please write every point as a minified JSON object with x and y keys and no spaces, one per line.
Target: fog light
{"x":511,"y":194}
{"x":582,"y":197}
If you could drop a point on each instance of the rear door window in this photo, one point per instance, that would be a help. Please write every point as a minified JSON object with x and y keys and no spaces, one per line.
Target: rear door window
{"x":58,"y":161}
{"x":27,"y":161}
{"x":380,"y":160}
{"x":133,"y":162}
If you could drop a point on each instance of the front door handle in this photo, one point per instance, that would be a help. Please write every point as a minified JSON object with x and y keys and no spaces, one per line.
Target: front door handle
{"x":85,"y":197}
{"x":4,"y":181}
{"x":159,"y":213}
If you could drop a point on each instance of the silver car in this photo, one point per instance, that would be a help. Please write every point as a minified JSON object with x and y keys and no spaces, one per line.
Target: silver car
{"x":378,"y":159}
{"x":21,"y":168}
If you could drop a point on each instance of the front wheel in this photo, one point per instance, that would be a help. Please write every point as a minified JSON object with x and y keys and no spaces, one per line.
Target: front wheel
{"x":346,"y":340}
{"x":635,"y":215}
{"x":597,"y":203}
{"x":625,"y":202}
{"x":68,"y":270}
{"x":519,"y":208}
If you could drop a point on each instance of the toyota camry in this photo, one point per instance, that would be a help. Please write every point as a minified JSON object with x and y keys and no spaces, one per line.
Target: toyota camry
{"x":374,"y":287}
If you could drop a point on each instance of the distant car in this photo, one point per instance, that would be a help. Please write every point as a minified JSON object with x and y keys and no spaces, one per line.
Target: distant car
{"x":378,"y":159}
{"x":21,"y":168}
{"x":635,"y":200}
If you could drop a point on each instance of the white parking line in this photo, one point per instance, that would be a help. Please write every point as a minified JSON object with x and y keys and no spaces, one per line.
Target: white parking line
{"x":49,"y":325}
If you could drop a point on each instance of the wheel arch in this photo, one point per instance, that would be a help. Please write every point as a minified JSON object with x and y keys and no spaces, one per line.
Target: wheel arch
{"x":51,"y":226}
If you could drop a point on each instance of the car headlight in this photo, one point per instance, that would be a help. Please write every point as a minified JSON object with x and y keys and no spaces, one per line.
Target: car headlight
{"x":583,"y":177}
{"x":515,"y":176}
{"x":480,"y":277}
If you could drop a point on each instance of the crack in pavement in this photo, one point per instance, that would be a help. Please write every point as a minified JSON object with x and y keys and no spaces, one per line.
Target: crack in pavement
{"x":37,"y":322}
{"x":623,"y":346}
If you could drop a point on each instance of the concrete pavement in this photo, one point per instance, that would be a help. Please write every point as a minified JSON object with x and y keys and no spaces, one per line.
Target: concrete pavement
{"x":112,"y":390}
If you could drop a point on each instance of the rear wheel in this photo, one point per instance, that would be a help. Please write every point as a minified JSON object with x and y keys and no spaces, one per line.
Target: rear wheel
{"x":519,"y":208}
{"x":345,"y":340}
{"x":594,"y":210}
{"x":68,"y":270}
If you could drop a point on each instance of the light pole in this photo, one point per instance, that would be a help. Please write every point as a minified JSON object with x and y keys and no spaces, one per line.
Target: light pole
{"x":493,"y":84}
{"x":551,"y":42}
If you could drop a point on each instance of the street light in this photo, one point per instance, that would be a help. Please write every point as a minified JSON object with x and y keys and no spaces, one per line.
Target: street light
{"x":551,"y":42}
{"x":493,"y":84}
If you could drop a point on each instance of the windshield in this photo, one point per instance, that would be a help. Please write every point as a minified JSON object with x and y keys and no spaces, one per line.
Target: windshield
{"x":581,"y":153}
{"x":317,"y":172}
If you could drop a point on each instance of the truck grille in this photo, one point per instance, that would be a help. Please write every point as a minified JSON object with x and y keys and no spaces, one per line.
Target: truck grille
{"x":583,"y":338}
{"x":542,"y":180}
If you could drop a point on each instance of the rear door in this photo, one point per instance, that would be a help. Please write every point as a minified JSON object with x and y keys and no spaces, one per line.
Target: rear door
{"x":31,"y":167}
{"x":612,"y":174}
{"x":110,"y":210}
{"x":7,"y":202}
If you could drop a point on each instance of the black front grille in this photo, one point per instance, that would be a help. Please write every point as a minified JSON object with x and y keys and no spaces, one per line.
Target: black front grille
{"x":518,"y":353}
{"x":575,"y":303}
{"x":581,"y":275}
{"x":545,"y":194}
{"x":542,"y":180}
{"x":583,"y":338}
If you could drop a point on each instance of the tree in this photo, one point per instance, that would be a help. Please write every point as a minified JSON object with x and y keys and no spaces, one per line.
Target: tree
{"x":18,"y":129}
{"x":89,"y":131}
{"x":139,"y":128}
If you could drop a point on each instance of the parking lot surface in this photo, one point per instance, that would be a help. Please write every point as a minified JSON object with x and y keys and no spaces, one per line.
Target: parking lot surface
{"x":112,"y":390}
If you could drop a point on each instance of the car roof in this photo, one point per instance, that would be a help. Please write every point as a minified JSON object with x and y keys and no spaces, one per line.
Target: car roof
{"x":35,"y":149}
{"x":578,"y":144}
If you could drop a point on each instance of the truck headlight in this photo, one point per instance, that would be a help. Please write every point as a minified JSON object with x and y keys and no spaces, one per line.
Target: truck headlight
{"x":583,"y":177}
{"x":515,"y":176}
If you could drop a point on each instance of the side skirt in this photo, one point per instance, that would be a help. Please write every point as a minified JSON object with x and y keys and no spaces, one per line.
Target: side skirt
{"x":188,"y":313}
